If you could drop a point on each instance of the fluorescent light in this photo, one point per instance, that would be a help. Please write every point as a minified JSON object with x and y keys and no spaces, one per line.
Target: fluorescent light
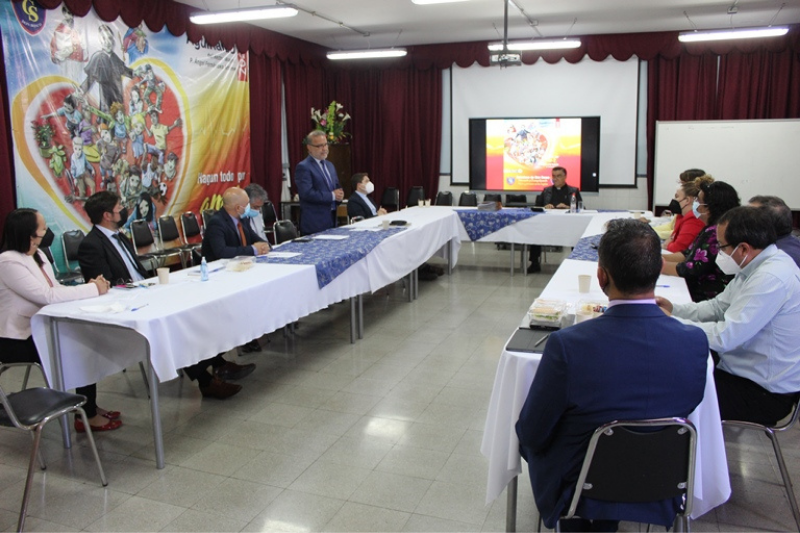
{"x":719,"y":35}
{"x":537,"y":44}
{"x":242,"y":15}
{"x":426,"y":2}
{"x":367,"y":54}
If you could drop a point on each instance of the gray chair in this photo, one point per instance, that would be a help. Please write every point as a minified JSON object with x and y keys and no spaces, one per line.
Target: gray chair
{"x":444,"y":198}
{"x":70,"y":242}
{"x":639,"y":461}
{"x":30,"y":410}
{"x":468,"y":199}
{"x":771,"y":432}
{"x":142,"y":237}
{"x":169,"y":234}
{"x":285,"y":230}
{"x":190,"y":228}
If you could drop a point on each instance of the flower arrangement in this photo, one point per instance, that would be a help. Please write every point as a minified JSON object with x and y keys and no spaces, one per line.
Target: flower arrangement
{"x":332,"y":121}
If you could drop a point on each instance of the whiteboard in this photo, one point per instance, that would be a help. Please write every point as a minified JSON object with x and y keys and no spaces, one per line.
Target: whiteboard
{"x":754,"y":156}
{"x":606,"y":89}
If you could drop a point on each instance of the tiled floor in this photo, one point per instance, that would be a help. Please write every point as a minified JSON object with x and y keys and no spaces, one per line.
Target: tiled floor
{"x":383,"y":435}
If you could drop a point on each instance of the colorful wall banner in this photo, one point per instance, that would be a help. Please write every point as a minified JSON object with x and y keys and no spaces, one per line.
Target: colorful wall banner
{"x":160,"y":120}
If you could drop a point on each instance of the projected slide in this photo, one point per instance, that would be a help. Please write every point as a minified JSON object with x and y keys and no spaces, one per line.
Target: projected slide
{"x":520,"y":153}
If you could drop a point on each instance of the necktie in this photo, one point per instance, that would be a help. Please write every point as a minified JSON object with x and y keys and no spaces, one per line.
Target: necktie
{"x":326,"y":174}
{"x":130,"y":259}
{"x":241,"y":234}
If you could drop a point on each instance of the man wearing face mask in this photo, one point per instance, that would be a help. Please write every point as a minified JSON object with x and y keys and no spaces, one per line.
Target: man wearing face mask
{"x":359,"y":204}
{"x":753,"y":323}
{"x":258,"y":197}
{"x":105,"y":250}
{"x":228,"y":232}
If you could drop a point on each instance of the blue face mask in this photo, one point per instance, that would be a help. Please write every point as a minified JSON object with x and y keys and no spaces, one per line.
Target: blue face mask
{"x":695,"y":207}
{"x":248,"y":213}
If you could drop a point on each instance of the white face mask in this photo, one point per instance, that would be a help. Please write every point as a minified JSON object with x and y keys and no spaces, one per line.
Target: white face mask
{"x":727,"y":264}
{"x":369,"y":187}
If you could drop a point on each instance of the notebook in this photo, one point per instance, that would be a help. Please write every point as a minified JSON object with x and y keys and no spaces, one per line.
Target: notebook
{"x":529,"y":340}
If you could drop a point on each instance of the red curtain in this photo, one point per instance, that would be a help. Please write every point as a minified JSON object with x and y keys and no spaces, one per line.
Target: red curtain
{"x":7,"y":192}
{"x":304,"y":87}
{"x":759,"y":85}
{"x":265,"y":124}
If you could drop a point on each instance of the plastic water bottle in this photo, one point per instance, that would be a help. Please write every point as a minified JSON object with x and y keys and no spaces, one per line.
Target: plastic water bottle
{"x":203,"y":270}
{"x":573,"y":204}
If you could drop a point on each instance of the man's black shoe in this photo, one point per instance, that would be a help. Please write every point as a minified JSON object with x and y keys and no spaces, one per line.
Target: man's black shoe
{"x":534,"y":268}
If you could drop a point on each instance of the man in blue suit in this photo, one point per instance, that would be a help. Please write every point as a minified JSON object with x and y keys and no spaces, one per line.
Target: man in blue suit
{"x":317,"y":185}
{"x":359,"y":204}
{"x":226,"y":236}
{"x":634,"y":362}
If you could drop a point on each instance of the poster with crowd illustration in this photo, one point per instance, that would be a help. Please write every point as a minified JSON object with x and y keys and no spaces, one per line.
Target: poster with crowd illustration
{"x":96,"y":105}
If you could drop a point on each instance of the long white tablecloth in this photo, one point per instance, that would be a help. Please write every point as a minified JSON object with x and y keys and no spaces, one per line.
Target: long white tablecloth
{"x":554,"y":227}
{"x":515,"y":373}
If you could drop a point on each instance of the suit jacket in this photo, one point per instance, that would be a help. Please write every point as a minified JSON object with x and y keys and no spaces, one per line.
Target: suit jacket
{"x":633,"y":362}
{"x":549,"y":192}
{"x":98,"y":255}
{"x":316,"y":198}
{"x":357,"y":206}
{"x":221,"y":239}
{"x":24,"y":290}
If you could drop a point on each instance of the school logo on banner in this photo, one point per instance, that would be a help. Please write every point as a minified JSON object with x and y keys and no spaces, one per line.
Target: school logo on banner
{"x":31,"y":15}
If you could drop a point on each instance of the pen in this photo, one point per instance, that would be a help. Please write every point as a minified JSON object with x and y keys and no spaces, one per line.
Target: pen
{"x":540,"y":341}
{"x":137,"y":308}
{"x":667,"y":286}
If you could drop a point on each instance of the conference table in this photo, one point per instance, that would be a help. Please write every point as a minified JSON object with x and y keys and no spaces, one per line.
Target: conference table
{"x":515,"y":373}
{"x":172,"y":326}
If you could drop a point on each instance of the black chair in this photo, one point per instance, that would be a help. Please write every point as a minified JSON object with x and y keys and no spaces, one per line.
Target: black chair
{"x":207,"y":214}
{"x":390,"y":199}
{"x":30,"y":410}
{"x":143,"y":238}
{"x":270,"y":218}
{"x":70,"y":242}
{"x":191,"y":230}
{"x":492,"y":197}
{"x":771,"y":431}
{"x":355,"y":219}
{"x":516,"y":200}
{"x":444,"y":198}
{"x":415,"y":194}
{"x":284,"y":230}
{"x":468,"y":199}
{"x":639,"y":461}
{"x":168,"y":231}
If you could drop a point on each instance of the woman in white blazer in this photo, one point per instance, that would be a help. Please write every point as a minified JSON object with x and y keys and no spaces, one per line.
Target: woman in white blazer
{"x":27,"y":283}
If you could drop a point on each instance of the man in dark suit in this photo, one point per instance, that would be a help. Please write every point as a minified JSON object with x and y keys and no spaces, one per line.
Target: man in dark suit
{"x":359,"y":204}
{"x":225,"y":236}
{"x":107,"y":251}
{"x":633,"y":362}
{"x":556,"y":196}
{"x":318,"y":186}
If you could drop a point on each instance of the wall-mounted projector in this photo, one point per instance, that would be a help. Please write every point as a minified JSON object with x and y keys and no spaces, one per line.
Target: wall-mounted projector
{"x":504,"y":59}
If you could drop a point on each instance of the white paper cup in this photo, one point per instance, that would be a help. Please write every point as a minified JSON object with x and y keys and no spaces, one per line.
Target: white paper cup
{"x":385,"y":224}
{"x":420,"y":203}
{"x":163,"y":275}
{"x":427,"y":203}
{"x":584,"y":282}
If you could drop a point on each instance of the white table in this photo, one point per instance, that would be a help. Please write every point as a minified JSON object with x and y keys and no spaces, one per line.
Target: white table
{"x":188,"y":321}
{"x":515,"y":373}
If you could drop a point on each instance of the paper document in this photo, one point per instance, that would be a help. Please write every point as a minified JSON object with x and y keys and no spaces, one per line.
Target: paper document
{"x":331,"y":237}
{"x":281,"y":255}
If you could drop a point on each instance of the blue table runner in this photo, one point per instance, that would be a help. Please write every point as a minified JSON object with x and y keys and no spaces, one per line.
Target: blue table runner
{"x":479,"y":224}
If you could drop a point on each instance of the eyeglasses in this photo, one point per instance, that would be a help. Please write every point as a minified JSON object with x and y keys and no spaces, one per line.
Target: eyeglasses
{"x":723,"y":246}
{"x":318,"y":145}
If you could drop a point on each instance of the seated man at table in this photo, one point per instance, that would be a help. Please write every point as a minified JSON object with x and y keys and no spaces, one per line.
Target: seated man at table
{"x":633,"y":362}
{"x":557,"y":196}
{"x":226,"y":236}
{"x":754,"y":324}
{"x":229,"y":234}
{"x":359,"y":204}
{"x":107,"y":251}
{"x":782,"y":222}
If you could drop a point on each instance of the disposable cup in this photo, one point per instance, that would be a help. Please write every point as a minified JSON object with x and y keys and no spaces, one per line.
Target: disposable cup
{"x":584,"y":282}
{"x":163,"y":275}
{"x":385,"y":224}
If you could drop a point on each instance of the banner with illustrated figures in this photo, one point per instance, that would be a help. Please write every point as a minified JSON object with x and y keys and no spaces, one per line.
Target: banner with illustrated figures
{"x":161,"y":121}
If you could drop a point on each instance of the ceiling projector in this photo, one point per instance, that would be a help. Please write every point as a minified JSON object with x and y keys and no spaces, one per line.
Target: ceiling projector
{"x":504,"y":59}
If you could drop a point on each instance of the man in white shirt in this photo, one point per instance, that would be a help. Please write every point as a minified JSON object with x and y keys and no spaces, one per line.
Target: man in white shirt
{"x":754,"y":324}
{"x":258,"y":197}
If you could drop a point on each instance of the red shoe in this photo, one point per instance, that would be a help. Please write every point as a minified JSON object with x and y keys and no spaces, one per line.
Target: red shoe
{"x":112,"y":415}
{"x":108,"y":426}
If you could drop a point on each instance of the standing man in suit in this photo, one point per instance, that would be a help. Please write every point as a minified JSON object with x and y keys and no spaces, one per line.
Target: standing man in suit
{"x":359,"y":204}
{"x":229,"y":233}
{"x":556,"y":196}
{"x":108,"y":252}
{"x":623,"y":365}
{"x":317,"y":185}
